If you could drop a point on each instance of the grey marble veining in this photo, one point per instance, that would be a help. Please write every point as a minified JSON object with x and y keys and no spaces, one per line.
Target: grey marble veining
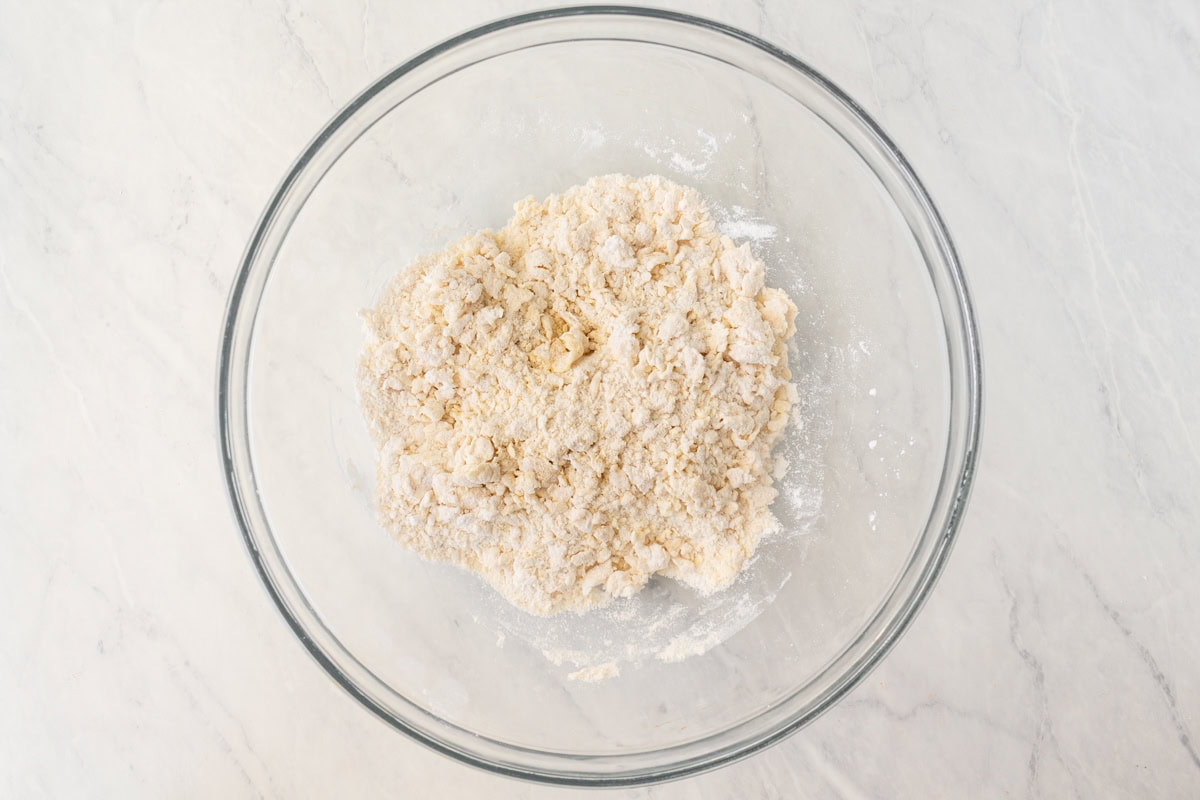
{"x":1057,"y":656}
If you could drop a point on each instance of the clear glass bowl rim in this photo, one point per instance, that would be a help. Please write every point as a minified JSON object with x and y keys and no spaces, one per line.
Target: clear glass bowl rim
{"x":842,"y":674}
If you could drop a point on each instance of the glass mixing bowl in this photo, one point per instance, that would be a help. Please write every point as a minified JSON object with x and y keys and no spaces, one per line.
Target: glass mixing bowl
{"x":881,"y":453}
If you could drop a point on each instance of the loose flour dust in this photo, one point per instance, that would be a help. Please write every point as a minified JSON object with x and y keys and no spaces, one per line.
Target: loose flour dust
{"x":583,"y":399}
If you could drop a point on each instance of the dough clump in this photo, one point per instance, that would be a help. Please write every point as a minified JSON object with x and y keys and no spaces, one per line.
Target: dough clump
{"x":582,"y":399}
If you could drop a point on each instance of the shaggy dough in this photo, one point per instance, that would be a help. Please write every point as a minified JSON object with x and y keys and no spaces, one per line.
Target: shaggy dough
{"x":582,"y":399}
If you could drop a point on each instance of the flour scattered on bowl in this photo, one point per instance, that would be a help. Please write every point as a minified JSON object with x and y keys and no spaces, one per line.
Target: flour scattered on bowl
{"x":600,"y":672}
{"x":737,"y":222}
{"x":691,"y":158}
{"x":583,"y":399}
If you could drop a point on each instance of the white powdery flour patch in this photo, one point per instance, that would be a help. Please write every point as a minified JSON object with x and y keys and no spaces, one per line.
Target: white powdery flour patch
{"x":691,"y":159}
{"x":738,"y":222}
{"x":600,"y":672}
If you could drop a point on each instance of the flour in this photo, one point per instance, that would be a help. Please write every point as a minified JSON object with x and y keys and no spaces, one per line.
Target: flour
{"x":583,"y":399}
{"x":600,"y":672}
{"x":692,"y":157}
{"x":738,"y":222}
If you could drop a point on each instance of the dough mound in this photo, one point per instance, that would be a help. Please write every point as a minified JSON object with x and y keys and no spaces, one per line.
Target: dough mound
{"x":582,"y":399}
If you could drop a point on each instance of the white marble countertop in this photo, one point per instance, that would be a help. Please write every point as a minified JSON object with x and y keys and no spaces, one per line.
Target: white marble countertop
{"x":1057,"y":657}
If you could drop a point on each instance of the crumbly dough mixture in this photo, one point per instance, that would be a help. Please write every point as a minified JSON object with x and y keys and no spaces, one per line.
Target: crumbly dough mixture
{"x":582,"y":399}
